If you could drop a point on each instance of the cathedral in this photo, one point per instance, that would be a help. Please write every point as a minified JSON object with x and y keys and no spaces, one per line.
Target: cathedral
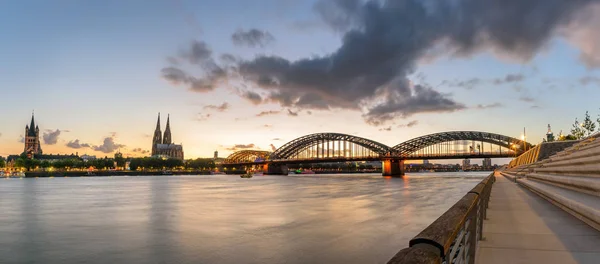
{"x":32,"y":139}
{"x":162,"y":145}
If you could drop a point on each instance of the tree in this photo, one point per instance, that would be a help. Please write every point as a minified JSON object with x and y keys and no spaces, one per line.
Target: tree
{"x":577,"y":130}
{"x":2,"y":162}
{"x":588,"y":125}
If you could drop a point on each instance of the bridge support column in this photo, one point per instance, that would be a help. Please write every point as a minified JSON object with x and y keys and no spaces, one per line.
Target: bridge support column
{"x":392,"y":167}
{"x":275,"y":169}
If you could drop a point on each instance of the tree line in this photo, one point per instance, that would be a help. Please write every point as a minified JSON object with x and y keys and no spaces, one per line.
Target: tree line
{"x":581,"y":130}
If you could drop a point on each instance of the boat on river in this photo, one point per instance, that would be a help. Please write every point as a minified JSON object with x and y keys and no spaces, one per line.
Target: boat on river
{"x":246,"y":175}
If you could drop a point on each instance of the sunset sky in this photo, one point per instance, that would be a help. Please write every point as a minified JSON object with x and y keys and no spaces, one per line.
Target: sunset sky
{"x":263,"y":72}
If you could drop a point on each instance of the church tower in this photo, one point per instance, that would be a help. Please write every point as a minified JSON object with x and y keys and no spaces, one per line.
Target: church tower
{"x":32,"y":139}
{"x":167,"y":136}
{"x":157,"y":137}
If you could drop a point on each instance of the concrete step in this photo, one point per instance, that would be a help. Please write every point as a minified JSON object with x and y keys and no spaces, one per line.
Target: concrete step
{"x":512,"y":177}
{"x":589,"y":185}
{"x":583,"y":206}
{"x":592,"y":170}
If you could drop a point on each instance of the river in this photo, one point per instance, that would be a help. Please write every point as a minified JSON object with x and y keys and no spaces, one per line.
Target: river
{"x":221,"y":219}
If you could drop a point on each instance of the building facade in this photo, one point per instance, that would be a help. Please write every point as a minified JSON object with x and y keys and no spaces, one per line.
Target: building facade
{"x":32,"y":139}
{"x":162,"y":144}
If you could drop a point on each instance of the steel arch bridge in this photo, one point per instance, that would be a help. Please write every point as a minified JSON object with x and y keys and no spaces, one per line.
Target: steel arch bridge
{"x":322,"y":145}
{"x":337,"y":147}
{"x":438,"y":145}
{"x":247,"y":156}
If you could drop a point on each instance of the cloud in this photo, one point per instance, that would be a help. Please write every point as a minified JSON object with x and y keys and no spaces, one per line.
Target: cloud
{"x":382,"y":42}
{"x":50,"y":137}
{"x":510,"y":78}
{"x":308,"y":112}
{"x":199,"y":54}
{"x":535,"y":107}
{"x":386,"y":129}
{"x":21,"y":139}
{"x":527,"y":99}
{"x":405,"y":102}
{"x":273,"y":148}
{"x":584,"y":33}
{"x":291,"y":113}
{"x":277,"y":139}
{"x":589,"y":80}
{"x":466,"y":84}
{"x":241,"y":147}
{"x":219,"y":108}
{"x":0,"y":134}
{"x":140,"y":150}
{"x":75,"y":144}
{"x":108,"y":146}
{"x":409,"y":124}
{"x":252,"y":38}
{"x":268,"y":126}
{"x":202,"y":117}
{"x":253,"y":97}
{"x":488,"y":106}
{"x":270,"y":112}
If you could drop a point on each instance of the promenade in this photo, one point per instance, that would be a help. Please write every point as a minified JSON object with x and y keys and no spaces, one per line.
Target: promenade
{"x":522,"y":227}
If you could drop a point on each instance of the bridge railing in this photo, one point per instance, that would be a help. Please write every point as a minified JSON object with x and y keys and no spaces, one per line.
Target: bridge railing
{"x":453,"y":237}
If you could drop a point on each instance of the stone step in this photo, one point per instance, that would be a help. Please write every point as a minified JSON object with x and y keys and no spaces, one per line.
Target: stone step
{"x":583,"y":157}
{"x":589,"y":185}
{"x":578,"y":147}
{"x":585,"y":170}
{"x":583,"y":206}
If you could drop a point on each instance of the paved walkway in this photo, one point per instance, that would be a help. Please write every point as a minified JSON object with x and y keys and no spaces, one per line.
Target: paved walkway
{"x":525,"y":228}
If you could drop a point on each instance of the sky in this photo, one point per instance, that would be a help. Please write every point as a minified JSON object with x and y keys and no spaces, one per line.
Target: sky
{"x":239,"y":74}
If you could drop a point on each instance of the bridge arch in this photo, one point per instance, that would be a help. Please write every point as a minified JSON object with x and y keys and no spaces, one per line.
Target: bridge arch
{"x":411,"y":146}
{"x":303,"y":143}
{"x":247,"y":156}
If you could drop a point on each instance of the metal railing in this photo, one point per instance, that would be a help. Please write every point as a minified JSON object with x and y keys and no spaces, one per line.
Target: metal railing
{"x":453,"y":237}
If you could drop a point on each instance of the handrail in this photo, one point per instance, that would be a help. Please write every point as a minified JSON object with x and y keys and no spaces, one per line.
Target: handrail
{"x":453,"y":237}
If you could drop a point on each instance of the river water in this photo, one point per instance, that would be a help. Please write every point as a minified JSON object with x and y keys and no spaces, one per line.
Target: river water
{"x":221,"y":219}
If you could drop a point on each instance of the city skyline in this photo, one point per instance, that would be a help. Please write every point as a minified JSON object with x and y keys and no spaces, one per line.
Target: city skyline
{"x":98,"y":83}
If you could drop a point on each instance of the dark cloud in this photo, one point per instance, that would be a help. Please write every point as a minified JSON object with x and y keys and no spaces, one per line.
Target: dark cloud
{"x":386,"y":129}
{"x":202,"y":117}
{"x":253,"y":97}
{"x":384,"y":40}
{"x":198,"y":54}
{"x":409,"y":124}
{"x":50,"y":137}
{"x":584,"y":33}
{"x":270,"y":112}
{"x":487,"y":106}
{"x":140,"y":150}
{"x":77,"y":145}
{"x":241,"y":147}
{"x":108,"y":146}
{"x":273,"y":148}
{"x":535,"y":107}
{"x":510,"y":78}
{"x":527,"y":99}
{"x":219,"y":108}
{"x":252,"y":38}
{"x":403,"y":103}
{"x":292,"y":113}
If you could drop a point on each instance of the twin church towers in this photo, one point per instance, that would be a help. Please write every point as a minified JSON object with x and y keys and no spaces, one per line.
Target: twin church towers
{"x":162,"y":145}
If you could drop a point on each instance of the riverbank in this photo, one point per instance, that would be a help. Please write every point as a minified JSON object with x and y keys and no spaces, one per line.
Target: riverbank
{"x":45,"y":174}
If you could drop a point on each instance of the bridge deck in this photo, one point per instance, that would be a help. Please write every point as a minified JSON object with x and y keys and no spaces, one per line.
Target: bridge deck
{"x":524,"y":228}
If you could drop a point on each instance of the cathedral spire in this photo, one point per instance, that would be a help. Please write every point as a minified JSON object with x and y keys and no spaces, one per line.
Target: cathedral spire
{"x":158,"y":122}
{"x":32,"y":126}
{"x":167,"y":136}
{"x":157,"y":139}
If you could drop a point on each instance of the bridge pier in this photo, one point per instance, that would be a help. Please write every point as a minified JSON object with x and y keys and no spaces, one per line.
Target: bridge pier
{"x":392,"y":167}
{"x":275,"y":169}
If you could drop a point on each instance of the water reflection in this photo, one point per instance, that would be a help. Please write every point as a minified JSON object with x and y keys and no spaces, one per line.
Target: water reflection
{"x":220,"y":219}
